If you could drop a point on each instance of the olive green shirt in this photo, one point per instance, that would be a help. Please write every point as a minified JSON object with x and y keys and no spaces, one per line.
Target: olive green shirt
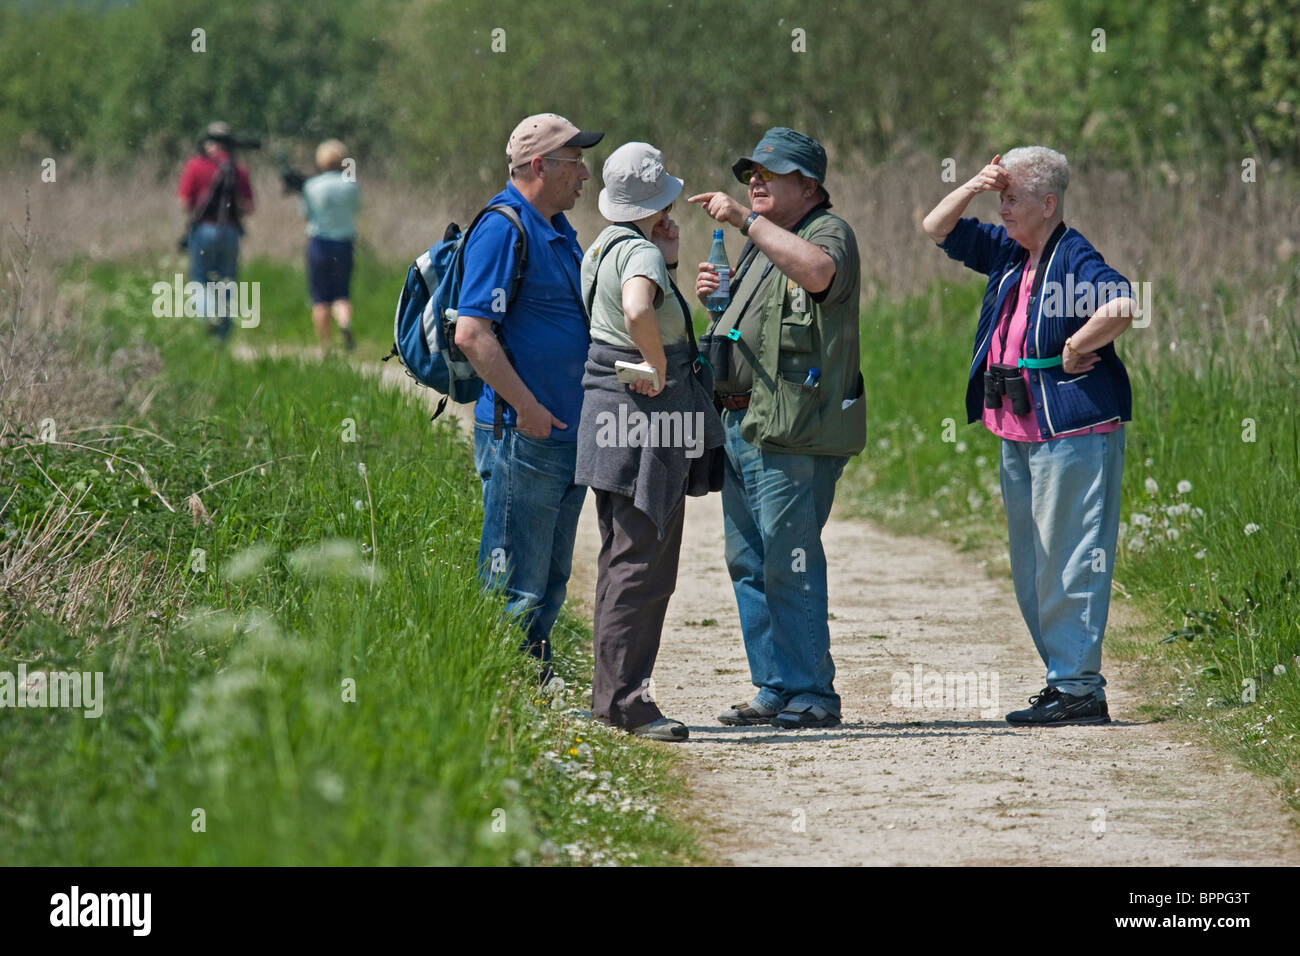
{"x":756,"y":295}
{"x":631,"y":257}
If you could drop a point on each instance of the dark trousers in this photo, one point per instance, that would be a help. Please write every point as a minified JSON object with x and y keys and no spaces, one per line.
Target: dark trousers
{"x":635,"y":576}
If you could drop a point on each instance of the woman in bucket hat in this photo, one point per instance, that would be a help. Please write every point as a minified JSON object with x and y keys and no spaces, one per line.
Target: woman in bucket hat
{"x":637,"y":441}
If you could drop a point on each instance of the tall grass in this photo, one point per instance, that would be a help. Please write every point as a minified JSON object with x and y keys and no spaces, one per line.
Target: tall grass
{"x":310,"y":674}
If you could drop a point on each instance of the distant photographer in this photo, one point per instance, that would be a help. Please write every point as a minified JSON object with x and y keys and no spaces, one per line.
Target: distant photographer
{"x":217,"y":196}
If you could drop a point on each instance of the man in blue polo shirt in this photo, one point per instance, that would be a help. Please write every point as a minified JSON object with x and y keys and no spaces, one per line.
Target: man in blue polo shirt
{"x":530,"y":502}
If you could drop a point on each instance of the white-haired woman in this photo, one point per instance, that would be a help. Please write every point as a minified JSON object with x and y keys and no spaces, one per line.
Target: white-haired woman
{"x":637,"y":442}
{"x":330,"y":201}
{"x":1046,"y":379}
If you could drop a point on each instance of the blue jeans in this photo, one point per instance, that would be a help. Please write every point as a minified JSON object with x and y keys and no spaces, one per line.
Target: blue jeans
{"x":530,"y":521}
{"x":1062,"y":500}
{"x":774,"y":506}
{"x":214,"y":256}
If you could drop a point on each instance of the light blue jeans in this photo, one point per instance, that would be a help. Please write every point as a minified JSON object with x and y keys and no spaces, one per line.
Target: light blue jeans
{"x":1062,"y":501}
{"x":214,"y":256}
{"x":774,"y":507}
{"x":530,"y":520}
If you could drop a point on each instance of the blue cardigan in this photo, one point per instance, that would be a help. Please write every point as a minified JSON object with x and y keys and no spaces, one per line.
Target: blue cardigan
{"x":1075,"y":282}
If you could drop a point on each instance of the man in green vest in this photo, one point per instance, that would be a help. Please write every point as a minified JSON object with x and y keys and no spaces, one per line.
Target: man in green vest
{"x":788,"y":378}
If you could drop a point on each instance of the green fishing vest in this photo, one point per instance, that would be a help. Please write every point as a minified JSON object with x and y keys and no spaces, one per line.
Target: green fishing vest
{"x":797,"y":334}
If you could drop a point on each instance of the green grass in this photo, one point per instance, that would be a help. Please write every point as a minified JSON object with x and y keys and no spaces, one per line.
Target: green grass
{"x":1222,"y":605}
{"x":227,"y":676}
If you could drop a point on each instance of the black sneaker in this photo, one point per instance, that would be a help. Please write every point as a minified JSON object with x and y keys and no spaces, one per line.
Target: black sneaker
{"x":348,"y":344}
{"x":1053,"y":708}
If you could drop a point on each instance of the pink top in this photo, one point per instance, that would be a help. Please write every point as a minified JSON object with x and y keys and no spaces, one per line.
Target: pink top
{"x":1003,"y":422}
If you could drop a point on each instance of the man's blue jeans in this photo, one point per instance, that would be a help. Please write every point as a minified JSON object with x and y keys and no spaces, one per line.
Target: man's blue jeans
{"x":214,"y":256}
{"x":530,"y":520}
{"x":774,"y":506}
{"x":1062,"y":500}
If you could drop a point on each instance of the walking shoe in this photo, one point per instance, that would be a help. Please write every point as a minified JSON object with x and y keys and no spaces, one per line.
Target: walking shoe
{"x":1053,"y":707}
{"x":662,"y":729}
{"x":801,"y":716}
{"x":745,"y":715}
{"x":348,"y":344}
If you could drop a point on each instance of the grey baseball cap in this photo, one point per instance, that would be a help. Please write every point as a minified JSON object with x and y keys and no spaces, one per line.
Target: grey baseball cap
{"x":636,"y":183}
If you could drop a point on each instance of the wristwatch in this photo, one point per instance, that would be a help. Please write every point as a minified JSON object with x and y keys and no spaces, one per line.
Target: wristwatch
{"x":749,"y":221}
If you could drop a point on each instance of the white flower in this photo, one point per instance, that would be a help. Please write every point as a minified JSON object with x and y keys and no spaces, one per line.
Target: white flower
{"x":358,"y":504}
{"x":961,"y":446}
{"x":1184,"y":487}
{"x":1251,"y":528}
{"x":1171,"y":534}
{"x":1151,"y":486}
{"x":1200,"y":555}
{"x":1137,"y":543}
{"x":1198,"y":512}
{"x":1279,"y":670}
{"x":1149,"y":462}
{"x":1140,"y":521}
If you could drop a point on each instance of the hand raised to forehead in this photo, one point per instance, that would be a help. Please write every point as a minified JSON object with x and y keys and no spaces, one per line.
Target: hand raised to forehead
{"x":992,"y":178}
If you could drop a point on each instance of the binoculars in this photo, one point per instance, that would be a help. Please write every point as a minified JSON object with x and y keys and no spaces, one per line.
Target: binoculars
{"x":1005,"y":380}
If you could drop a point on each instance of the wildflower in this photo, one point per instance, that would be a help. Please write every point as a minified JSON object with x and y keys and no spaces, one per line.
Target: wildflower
{"x":1151,"y":486}
{"x":358,"y":505}
{"x":1251,"y":528}
{"x":961,"y":446}
{"x":1279,"y":670}
{"x":1198,"y":512}
{"x":1149,"y":462}
{"x":1200,"y":555}
{"x":1140,"y":521}
{"x":1184,"y":487}
{"x":1171,"y":534}
{"x":1138,"y":543}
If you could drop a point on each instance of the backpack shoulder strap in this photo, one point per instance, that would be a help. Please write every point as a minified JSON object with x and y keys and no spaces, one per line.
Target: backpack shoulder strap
{"x":521,"y":245}
{"x":601,"y":254}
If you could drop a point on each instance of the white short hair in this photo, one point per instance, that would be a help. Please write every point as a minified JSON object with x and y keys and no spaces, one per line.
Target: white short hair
{"x":1041,"y":170}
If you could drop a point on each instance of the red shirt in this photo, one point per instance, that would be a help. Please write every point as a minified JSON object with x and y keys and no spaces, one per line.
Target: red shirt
{"x":199,"y":173}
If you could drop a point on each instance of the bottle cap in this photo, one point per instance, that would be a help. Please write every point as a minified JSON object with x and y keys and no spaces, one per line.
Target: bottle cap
{"x":717,"y":233}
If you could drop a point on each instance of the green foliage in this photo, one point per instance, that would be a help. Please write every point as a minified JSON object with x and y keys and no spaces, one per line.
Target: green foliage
{"x":1257,"y":46}
{"x":225,"y":683}
{"x":431,"y":87}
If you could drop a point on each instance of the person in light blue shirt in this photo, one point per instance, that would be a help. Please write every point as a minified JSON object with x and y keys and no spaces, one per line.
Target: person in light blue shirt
{"x":330,"y":202}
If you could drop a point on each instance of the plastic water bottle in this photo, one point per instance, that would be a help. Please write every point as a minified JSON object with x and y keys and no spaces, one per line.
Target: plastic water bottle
{"x":720,"y":299}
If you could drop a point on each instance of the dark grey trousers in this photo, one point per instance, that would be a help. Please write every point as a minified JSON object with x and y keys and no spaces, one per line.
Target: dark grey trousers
{"x":635,"y":576}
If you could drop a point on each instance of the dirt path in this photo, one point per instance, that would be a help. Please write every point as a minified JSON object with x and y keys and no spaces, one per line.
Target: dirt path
{"x":906,"y":786}
{"x":913,"y":786}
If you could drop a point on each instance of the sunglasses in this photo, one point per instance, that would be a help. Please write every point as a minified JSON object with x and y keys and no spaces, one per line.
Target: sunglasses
{"x":766,"y":175}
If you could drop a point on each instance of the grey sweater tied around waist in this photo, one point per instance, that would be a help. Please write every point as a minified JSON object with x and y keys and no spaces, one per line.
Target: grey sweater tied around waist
{"x":638,"y":446}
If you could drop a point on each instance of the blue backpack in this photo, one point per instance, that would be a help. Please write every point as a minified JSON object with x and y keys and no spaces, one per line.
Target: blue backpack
{"x":424,"y":326}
